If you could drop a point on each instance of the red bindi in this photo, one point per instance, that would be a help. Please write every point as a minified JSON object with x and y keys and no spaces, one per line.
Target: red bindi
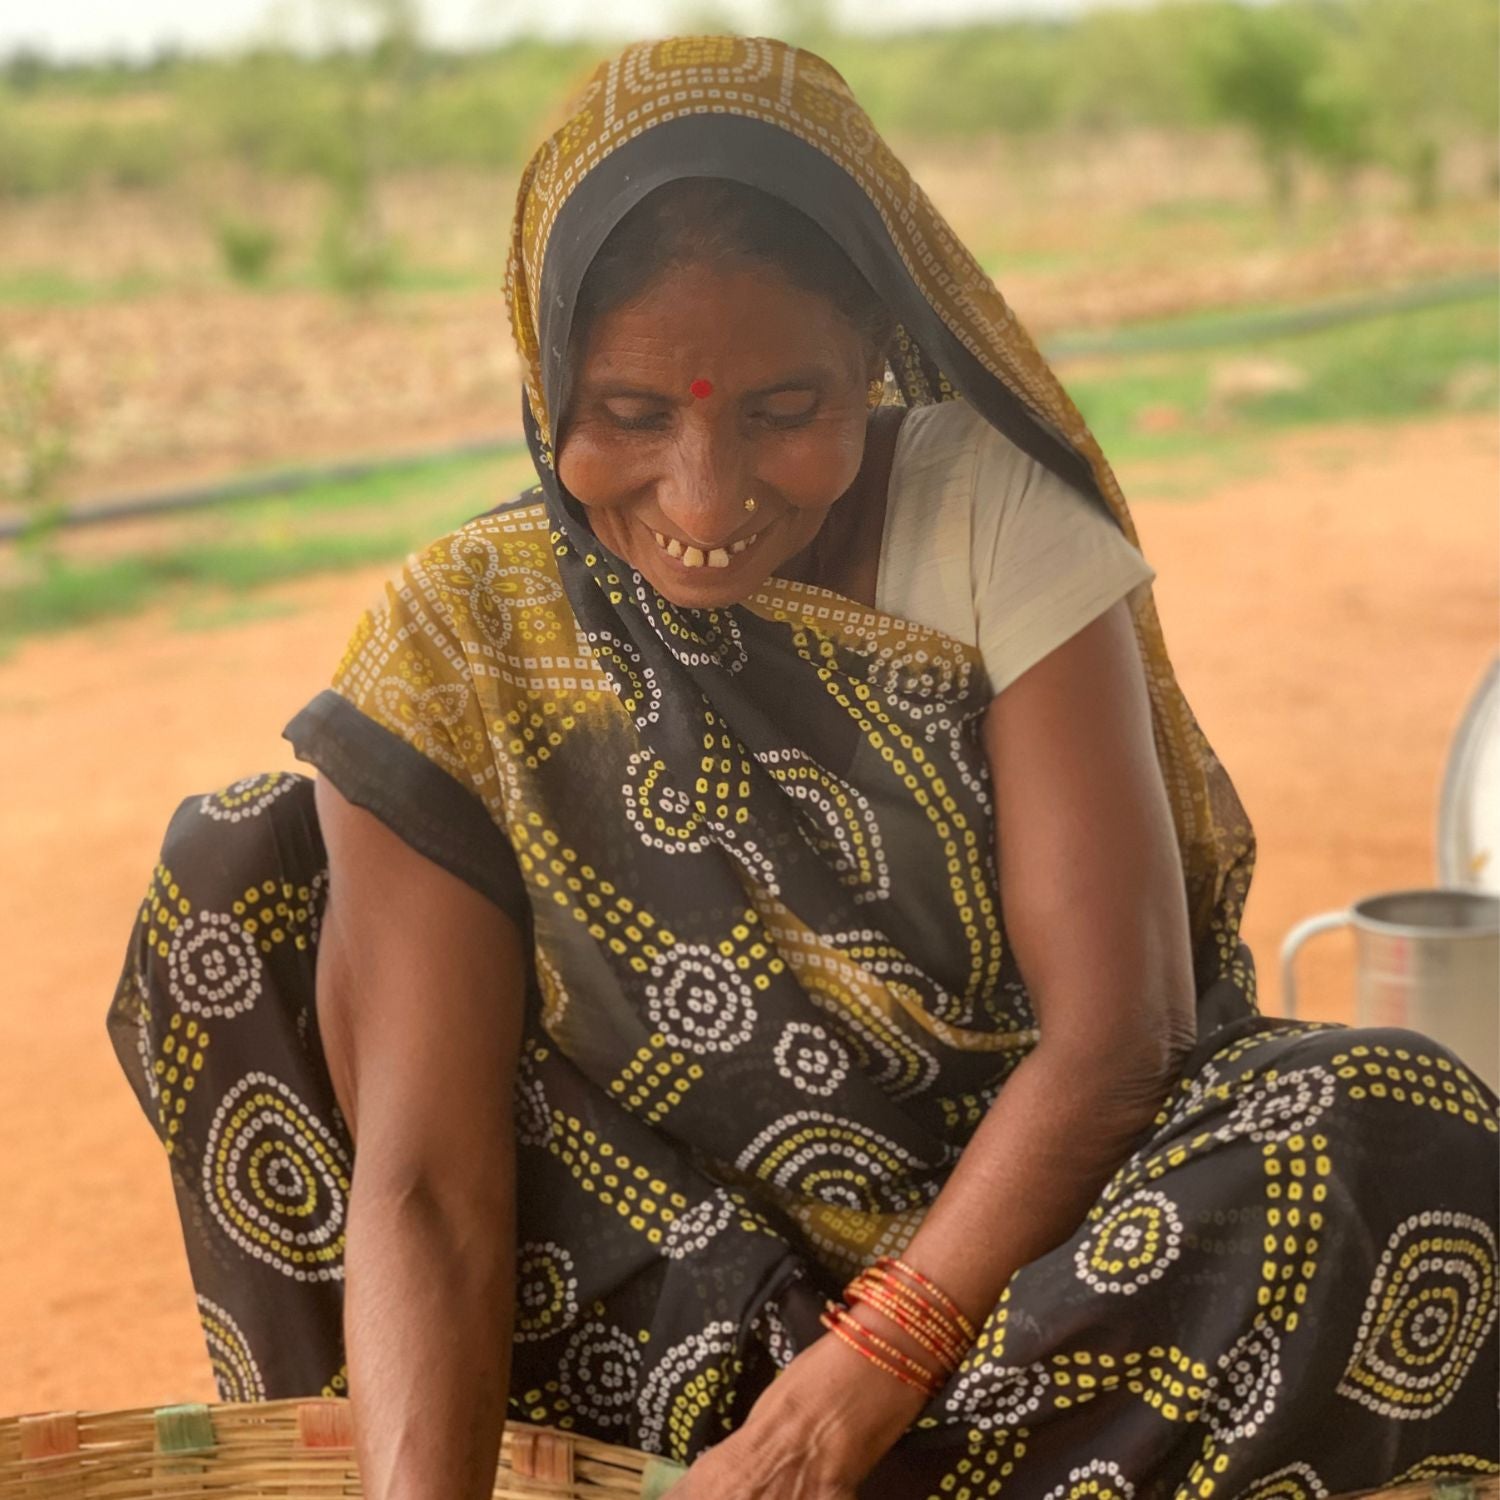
{"x":702,"y":389}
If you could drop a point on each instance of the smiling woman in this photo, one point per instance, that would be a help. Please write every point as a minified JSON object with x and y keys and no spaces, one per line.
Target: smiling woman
{"x":788,"y":341}
{"x":770,"y":919}
{"x":785,"y":426}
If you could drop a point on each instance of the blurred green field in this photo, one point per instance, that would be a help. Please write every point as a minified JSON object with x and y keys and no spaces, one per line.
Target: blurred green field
{"x":1408,"y":364}
{"x":1148,"y":411}
{"x":207,"y":566}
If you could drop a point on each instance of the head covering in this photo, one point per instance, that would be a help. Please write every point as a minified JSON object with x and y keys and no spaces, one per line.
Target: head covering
{"x":779,"y":118}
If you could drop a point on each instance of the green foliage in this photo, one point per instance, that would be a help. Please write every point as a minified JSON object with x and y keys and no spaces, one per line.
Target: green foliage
{"x":36,"y":450}
{"x":1131,"y":67}
{"x":355,"y":256}
{"x":247,"y":248}
{"x":1335,"y":84}
{"x":1429,"y":69}
{"x":1258,"y":66}
{"x":1409,"y":364}
{"x":35,"y":433}
{"x":253,"y":544}
{"x":961,"y":82}
{"x":43,"y":152}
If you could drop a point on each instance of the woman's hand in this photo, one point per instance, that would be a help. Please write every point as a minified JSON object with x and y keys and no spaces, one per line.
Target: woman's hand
{"x":740,"y":1468}
{"x":815,"y":1433}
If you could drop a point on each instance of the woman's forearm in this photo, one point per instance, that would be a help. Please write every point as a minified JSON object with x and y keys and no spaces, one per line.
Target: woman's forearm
{"x":427,"y":1323}
{"x":1060,"y":1127}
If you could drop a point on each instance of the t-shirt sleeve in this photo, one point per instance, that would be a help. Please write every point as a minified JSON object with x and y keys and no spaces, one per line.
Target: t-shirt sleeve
{"x":402,"y":733}
{"x":1046,"y":560}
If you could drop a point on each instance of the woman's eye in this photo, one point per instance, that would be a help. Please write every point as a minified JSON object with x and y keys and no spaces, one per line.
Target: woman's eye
{"x":787,"y":414}
{"x":637,"y":419}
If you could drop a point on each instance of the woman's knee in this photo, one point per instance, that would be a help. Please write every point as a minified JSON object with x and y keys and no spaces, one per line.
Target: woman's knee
{"x":225,"y":847}
{"x":237,"y":899}
{"x":1395,"y":1062}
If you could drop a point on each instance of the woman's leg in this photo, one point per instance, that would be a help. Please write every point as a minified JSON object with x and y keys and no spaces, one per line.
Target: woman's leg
{"x":214,"y":1023}
{"x":1289,"y":1289}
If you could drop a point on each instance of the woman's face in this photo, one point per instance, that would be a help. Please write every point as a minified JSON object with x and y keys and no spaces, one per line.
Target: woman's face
{"x":665,"y":472}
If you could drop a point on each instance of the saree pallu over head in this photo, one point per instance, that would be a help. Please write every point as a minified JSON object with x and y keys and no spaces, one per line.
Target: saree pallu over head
{"x":753,"y":845}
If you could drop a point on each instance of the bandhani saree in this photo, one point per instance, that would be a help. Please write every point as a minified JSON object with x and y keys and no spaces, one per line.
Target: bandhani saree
{"x":771,"y":995}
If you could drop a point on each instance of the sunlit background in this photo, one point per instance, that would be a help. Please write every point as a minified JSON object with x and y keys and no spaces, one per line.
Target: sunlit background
{"x":253,"y":349}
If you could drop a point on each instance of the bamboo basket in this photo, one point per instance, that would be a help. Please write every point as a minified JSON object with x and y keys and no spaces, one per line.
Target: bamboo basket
{"x":298,"y":1449}
{"x":303,"y":1449}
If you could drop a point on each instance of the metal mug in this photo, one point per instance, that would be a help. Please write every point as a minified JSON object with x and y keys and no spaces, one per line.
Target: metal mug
{"x":1428,"y":960}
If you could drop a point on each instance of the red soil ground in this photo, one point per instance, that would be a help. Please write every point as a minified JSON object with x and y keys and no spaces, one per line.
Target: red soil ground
{"x":1328,"y":622}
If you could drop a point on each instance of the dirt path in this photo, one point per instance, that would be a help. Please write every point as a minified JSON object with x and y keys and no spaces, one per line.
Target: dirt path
{"x":1328,"y":624}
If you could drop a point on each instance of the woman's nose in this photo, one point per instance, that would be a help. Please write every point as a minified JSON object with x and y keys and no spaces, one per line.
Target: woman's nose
{"x":702,"y":493}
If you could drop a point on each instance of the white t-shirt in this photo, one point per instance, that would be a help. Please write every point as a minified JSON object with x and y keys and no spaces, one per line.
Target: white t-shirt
{"x":985,"y":544}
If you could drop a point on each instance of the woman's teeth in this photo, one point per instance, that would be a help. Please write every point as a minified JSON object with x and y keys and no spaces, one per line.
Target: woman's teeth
{"x":695,"y":557}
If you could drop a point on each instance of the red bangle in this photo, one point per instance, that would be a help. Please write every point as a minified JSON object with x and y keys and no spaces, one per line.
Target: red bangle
{"x":851,"y":1331}
{"x":938,"y":1338}
{"x":952,"y":1308}
{"x":878,"y":1282}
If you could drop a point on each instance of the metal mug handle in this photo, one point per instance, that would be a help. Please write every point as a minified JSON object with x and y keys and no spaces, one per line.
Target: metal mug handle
{"x":1324,"y":922}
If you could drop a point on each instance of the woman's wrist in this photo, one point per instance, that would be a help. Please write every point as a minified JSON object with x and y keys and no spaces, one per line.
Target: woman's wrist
{"x":833,"y":1402}
{"x":890,"y":1347}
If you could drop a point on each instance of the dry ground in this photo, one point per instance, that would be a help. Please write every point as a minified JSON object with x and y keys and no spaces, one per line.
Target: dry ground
{"x":1328,"y":622}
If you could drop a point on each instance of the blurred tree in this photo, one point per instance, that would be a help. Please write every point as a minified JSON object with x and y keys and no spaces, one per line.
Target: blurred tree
{"x":1430,"y":68}
{"x":1131,"y":67}
{"x":965,"y":82}
{"x":1341,"y":114}
{"x":376,"y":64}
{"x":162,"y":62}
{"x":1339,"y":130}
{"x":1258,"y":66}
{"x":27,"y":69}
{"x":805,"y":23}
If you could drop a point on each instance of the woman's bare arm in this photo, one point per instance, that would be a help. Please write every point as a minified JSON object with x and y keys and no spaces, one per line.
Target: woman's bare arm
{"x":420,"y":988}
{"x":1095,"y":909}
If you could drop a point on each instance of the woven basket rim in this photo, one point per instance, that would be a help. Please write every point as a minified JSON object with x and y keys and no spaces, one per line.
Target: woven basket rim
{"x":233,"y":1448}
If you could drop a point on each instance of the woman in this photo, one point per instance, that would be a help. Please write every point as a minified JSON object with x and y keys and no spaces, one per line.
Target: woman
{"x":776,"y":844}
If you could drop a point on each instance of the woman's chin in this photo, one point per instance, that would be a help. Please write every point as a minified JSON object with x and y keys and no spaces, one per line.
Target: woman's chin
{"x":710,"y":592}
{"x":704,"y":586}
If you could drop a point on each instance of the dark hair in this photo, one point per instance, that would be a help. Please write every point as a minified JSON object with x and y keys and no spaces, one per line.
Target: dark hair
{"x":710,"y":221}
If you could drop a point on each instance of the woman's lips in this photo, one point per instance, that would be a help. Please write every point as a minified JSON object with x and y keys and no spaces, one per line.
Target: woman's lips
{"x":697,"y":557}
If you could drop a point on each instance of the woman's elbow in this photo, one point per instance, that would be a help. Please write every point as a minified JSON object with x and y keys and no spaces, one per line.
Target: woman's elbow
{"x":1135,"y":1066}
{"x":1144,"y":1070}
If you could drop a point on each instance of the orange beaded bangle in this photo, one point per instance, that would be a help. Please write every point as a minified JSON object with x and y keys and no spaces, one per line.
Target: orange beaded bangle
{"x":838,"y":1321}
{"x":935,"y":1340}
{"x":954,"y":1311}
{"x":843,"y":1316}
{"x":923,"y":1311}
{"x":936,"y":1336}
{"x":875,"y":1359}
{"x":887,"y":1290}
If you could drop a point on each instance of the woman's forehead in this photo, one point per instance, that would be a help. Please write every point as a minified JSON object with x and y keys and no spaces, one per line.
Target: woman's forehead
{"x":735,"y":327}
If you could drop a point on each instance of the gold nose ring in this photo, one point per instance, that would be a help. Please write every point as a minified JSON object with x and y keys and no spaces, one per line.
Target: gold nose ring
{"x":750,"y":503}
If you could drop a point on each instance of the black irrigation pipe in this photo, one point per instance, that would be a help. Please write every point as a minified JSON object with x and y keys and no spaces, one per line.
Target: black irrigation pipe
{"x":277,"y":482}
{"x":1158,"y":339}
{"x":1214,"y":331}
